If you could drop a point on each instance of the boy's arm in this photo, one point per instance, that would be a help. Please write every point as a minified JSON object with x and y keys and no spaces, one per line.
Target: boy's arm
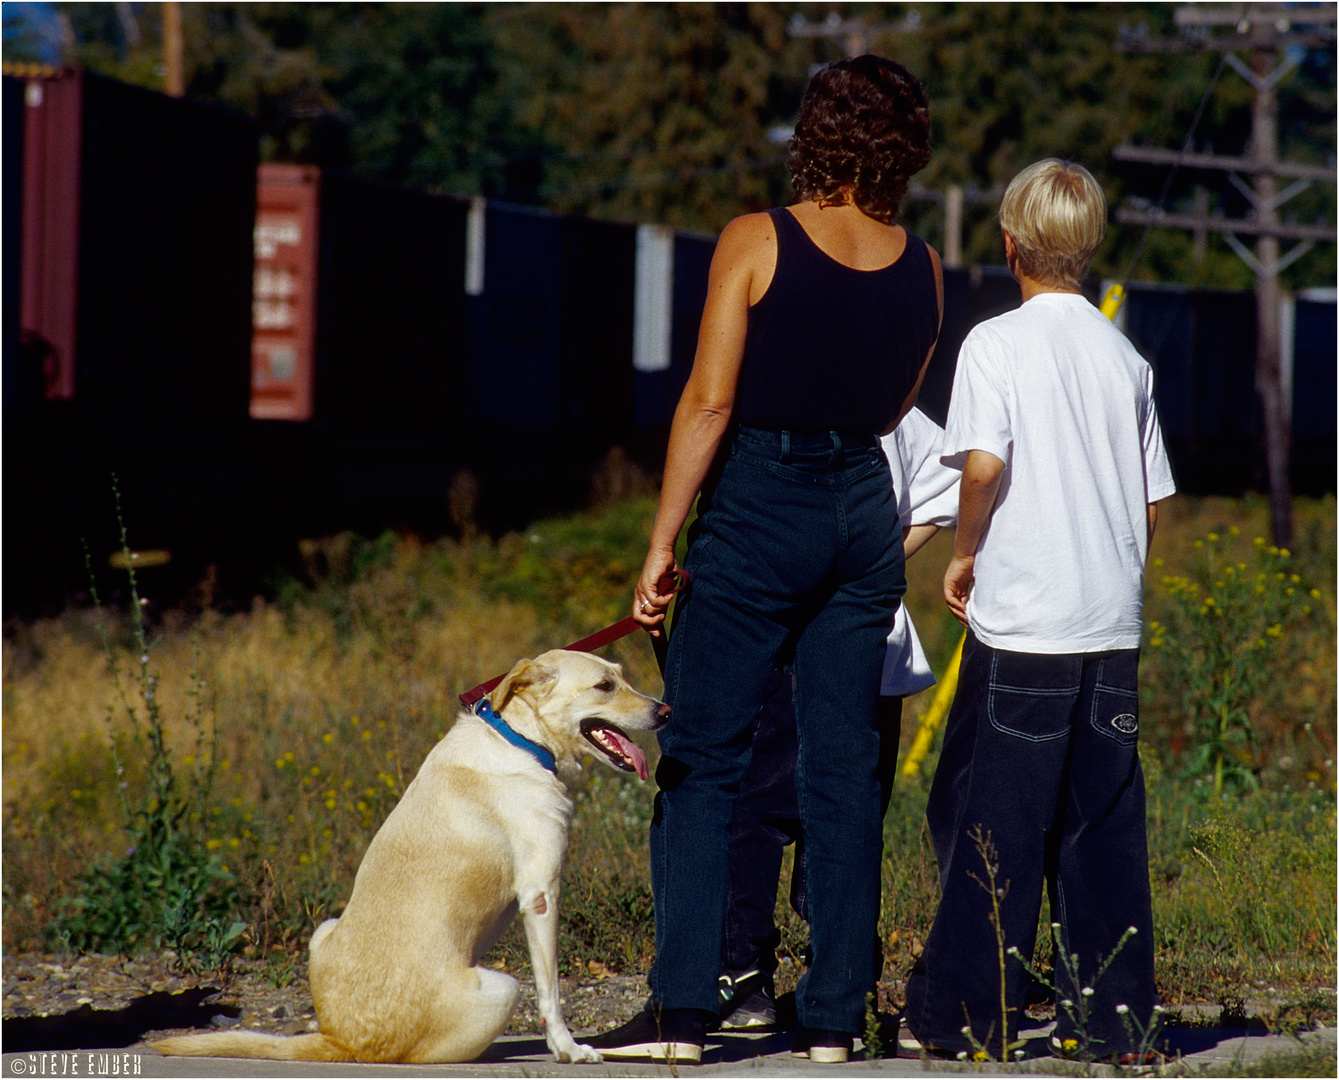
{"x":981,"y":477}
{"x":1152,"y":523}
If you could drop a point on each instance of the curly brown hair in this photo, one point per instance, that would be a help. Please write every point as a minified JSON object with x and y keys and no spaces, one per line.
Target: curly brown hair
{"x":864,"y":124}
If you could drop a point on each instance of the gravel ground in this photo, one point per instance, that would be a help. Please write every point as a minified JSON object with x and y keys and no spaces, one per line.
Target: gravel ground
{"x":53,"y":1003}
{"x":142,"y":996}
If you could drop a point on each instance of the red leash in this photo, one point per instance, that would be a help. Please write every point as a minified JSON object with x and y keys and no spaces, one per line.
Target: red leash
{"x":622,"y":628}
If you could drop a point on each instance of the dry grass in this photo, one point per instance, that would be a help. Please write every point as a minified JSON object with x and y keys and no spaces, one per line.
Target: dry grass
{"x":326,"y":699}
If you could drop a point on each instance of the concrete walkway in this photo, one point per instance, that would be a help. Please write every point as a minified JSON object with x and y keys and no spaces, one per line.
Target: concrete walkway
{"x":1191,"y":1050}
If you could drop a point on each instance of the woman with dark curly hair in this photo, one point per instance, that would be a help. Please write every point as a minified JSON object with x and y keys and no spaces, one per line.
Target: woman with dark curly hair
{"x":847,"y":139}
{"x":819,"y":321}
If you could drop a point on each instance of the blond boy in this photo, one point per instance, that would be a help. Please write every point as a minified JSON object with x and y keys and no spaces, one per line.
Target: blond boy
{"x":1053,"y":424}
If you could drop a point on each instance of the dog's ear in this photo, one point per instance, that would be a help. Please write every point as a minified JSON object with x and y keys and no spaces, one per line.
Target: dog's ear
{"x":525,"y":676}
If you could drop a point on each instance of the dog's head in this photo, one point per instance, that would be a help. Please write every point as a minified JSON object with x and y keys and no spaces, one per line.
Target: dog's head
{"x":575,"y":704}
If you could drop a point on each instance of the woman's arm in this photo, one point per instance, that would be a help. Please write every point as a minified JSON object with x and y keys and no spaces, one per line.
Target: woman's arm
{"x":741,"y":269}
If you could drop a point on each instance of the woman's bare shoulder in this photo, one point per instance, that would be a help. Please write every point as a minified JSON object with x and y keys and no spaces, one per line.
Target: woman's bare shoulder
{"x":748,"y":231}
{"x":746,"y":250}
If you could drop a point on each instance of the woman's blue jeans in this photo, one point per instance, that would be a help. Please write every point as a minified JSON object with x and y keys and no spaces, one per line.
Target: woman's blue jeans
{"x":798,"y":549}
{"x":1041,"y":759}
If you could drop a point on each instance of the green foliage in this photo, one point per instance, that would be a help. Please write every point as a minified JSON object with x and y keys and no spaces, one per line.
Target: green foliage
{"x":675,"y":113}
{"x":1246,"y":885}
{"x":577,"y":570}
{"x":166,"y":890}
{"x":873,"y":1036}
{"x":162,"y":892}
{"x":606,"y":918}
{"x":1312,"y":1057}
{"x":660,"y":112}
{"x":1227,"y":621}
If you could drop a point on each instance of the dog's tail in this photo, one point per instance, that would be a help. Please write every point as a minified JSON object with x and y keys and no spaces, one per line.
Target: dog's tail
{"x":255,"y":1044}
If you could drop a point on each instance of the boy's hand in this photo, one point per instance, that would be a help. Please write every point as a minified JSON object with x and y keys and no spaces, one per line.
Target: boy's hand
{"x":958,"y":580}
{"x":981,"y":477}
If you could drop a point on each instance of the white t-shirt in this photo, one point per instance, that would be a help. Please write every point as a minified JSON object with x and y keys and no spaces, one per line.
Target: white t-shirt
{"x":1059,"y":395}
{"x":927,"y":494}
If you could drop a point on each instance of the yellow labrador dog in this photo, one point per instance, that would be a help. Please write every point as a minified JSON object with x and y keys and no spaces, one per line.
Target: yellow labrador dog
{"x":479,"y":836}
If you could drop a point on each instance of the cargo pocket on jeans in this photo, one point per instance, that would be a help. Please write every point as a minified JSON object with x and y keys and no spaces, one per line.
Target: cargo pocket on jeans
{"x":1032,"y":697}
{"x":1116,"y":698}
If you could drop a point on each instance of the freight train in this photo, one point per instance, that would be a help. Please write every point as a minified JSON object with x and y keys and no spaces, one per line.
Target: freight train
{"x":259,"y":353}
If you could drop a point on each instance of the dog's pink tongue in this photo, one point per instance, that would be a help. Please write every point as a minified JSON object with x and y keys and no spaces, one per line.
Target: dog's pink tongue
{"x":631,"y":751}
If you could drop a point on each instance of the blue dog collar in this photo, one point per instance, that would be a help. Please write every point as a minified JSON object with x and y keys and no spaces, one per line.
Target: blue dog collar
{"x":484,"y":711}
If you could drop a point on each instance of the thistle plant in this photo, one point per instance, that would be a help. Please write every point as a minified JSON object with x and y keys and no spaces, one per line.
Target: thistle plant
{"x":1079,"y":1008}
{"x":165,"y":889}
{"x":985,"y":849}
{"x":1225,"y":625}
{"x":872,"y":1038}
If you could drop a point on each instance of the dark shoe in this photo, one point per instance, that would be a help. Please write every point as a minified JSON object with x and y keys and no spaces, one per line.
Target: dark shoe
{"x":748,"y":1002}
{"x":822,"y":1047}
{"x":670,"y":1035}
{"x":908,"y":1045}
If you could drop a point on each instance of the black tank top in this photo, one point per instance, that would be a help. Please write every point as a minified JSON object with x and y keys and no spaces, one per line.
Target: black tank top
{"x":831,"y":348}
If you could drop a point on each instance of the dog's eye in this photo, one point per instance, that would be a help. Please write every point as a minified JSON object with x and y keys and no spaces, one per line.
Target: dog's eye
{"x":605,"y":686}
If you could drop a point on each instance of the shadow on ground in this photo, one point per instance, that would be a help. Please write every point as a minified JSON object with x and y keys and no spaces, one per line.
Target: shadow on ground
{"x":87,"y":1028}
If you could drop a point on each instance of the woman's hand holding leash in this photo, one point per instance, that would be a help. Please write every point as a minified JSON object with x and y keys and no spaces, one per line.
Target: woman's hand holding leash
{"x":655,"y":589}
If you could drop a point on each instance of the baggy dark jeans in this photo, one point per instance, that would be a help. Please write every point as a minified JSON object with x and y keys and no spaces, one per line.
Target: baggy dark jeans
{"x":1041,"y":758}
{"x":767,"y":818}
{"x":797,"y":549}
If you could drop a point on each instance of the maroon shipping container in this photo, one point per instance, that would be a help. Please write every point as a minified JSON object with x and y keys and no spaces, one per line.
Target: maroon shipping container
{"x":135,"y":257}
{"x":358,"y":309}
{"x":283,"y":319}
{"x":52,"y":158}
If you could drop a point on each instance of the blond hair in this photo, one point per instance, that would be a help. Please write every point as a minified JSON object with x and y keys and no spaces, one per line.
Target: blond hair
{"x":1056,"y":213}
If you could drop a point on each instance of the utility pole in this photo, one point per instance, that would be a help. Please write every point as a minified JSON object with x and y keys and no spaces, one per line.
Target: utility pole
{"x":174,"y":74}
{"x":1263,"y":31}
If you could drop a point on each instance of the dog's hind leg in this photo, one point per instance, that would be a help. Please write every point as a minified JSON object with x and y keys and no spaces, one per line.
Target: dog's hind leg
{"x":470,"y":1018}
{"x":540,"y":912}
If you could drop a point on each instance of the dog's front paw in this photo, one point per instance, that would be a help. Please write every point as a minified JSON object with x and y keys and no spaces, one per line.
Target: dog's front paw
{"x":571,"y":1051}
{"x":584,"y":1054}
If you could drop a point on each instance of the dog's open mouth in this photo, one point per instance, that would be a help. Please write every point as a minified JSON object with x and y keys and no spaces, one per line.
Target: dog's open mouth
{"x":621,"y":751}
